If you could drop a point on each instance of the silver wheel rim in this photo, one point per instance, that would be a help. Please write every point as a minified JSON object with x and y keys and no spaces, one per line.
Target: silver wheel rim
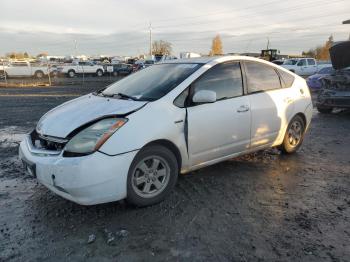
{"x":71,"y":74}
{"x":150,"y":176}
{"x":295,"y":133}
{"x":39,"y":75}
{"x":99,"y":73}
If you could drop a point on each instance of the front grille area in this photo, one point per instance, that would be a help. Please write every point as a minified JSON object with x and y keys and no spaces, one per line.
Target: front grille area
{"x":47,"y":142}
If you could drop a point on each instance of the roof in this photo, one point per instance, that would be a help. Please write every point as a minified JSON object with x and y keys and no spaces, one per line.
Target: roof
{"x":208,"y":59}
{"x":195,"y":60}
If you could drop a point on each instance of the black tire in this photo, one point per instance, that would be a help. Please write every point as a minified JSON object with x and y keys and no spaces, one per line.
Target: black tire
{"x":169,"y":159}
{"x":287,"y":146}
{"x":99,"y":73}
{"x":324,"y":109}
{"x":292,"y":70}
{"x":39,"y":74}
{"x":71,"y":73}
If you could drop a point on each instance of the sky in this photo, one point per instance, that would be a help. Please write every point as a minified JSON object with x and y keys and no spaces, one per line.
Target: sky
{"x":113,"y":27}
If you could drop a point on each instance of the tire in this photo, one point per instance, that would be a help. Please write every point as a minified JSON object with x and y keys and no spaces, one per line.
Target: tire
{"x":153,"y":163}
{"x":324,"y":110}
{"x":39,"y":74}
{"x":99,"y":73}
{"x":71,"y":73}
{"x":294,"y":136}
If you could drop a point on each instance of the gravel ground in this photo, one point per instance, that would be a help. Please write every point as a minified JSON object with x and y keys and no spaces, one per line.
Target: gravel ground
{"x":260,"y":207}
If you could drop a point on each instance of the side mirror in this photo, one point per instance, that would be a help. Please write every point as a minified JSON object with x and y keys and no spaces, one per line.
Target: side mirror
{"x":204,"y":96}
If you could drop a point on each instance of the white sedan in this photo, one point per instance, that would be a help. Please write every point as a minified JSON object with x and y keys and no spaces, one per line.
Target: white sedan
{"x":132,"y":139}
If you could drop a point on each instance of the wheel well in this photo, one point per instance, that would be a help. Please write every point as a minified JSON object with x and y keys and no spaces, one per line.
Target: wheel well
{"x":171,"y":146}
{"x":38,"y":71}
{"x":71,"y":70}
{"x":302,"y":117}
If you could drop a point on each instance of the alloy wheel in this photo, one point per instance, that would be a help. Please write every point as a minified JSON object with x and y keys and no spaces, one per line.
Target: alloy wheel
{"x":295,"y":133}
{"x":150,"y":176}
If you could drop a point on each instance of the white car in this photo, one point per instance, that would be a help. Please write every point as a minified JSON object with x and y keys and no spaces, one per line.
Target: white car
{"x":81,"y":67}
{"x":132,"y":139}
{"x":26,"y":69}
{"x":301,"y":66}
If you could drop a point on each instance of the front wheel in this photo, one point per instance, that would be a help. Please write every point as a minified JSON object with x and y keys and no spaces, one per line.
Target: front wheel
{"x":99,"y":73}
{"x":152,"y":175}
{"x":294,"y":136}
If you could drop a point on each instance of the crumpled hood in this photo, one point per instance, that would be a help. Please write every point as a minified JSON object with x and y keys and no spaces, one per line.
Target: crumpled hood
{"x":62,"y":120}
{"x":340,"y":55}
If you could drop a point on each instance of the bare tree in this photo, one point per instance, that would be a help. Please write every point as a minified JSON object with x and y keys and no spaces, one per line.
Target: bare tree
{"x":161,"y":48}
{"x":216,"y":46}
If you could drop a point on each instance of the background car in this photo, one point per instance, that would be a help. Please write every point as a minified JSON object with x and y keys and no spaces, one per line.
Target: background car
{"x":314,"y":81}
{"x":122,"y":69}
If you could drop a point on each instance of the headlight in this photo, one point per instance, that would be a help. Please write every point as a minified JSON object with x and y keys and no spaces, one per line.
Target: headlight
{"x":93,"y":137}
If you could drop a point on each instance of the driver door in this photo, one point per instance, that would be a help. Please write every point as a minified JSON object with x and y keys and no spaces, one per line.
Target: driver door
{"x":218,"y":129}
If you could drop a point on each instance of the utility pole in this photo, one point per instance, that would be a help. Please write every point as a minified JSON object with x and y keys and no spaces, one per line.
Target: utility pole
{"x":76,"y":48}
{"x":150,"y":39}
{"x":268,"y":43}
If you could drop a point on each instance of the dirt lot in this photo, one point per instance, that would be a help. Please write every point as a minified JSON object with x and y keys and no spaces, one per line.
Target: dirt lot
{"x":261,"y":207}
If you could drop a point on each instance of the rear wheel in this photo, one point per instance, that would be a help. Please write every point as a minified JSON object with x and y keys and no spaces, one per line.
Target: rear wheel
{"x":71,"y":73}
{"x":39,"y":74}
{"x":99,"y":73}
{"x":152,"y":175}
{"x":294,"y":135}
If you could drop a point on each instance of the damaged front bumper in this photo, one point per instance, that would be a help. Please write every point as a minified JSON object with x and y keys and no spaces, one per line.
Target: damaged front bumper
{"x":86,"y":180}
{"x":334,"y":98}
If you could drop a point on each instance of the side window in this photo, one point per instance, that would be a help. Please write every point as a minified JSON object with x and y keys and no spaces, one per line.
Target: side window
{"x":225,"y":79}
{"x":311,"y":62}
{"x":180,"y":101}
{"x":261,"y":77}
{"x":302,"y":62}
{"x":286,"y":78}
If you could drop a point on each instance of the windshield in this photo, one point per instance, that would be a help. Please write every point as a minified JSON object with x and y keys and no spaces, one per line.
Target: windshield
{"x":153,"y":82}
{"x":290,"y":62}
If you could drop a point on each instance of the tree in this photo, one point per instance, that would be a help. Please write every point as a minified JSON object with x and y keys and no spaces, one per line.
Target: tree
{"x":320,"y":52}
{"x":161,"y":48}
{"x":216,"y":46}
{"x":42,"y":54}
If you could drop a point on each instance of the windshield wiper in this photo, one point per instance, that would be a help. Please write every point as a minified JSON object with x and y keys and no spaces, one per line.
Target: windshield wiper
{"x":125,"y":96}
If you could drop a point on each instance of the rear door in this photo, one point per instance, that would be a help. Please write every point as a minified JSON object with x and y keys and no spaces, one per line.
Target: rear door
{"x":311,"y":66}
{"x":271,"y":105}
{"x":221,"y":128}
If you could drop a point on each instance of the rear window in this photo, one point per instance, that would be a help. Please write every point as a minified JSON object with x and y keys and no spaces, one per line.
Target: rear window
{"x":311,"y":62}
{"x":261,"y":77}
{"x":286,"y":78}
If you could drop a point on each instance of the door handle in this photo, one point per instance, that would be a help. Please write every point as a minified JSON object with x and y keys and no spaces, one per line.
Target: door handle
{"x":243,"y":108}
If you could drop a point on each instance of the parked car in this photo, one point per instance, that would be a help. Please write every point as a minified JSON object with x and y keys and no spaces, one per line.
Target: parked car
{"x":335,"y":92}
{"x":132,"y":139}
{"x":314,"y":82}
{"x":26,"y":69}
{"x":278,"y":62}
{"x":122,"y":69}
{"x":82,"y":67}
{"x":301,"y":66}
